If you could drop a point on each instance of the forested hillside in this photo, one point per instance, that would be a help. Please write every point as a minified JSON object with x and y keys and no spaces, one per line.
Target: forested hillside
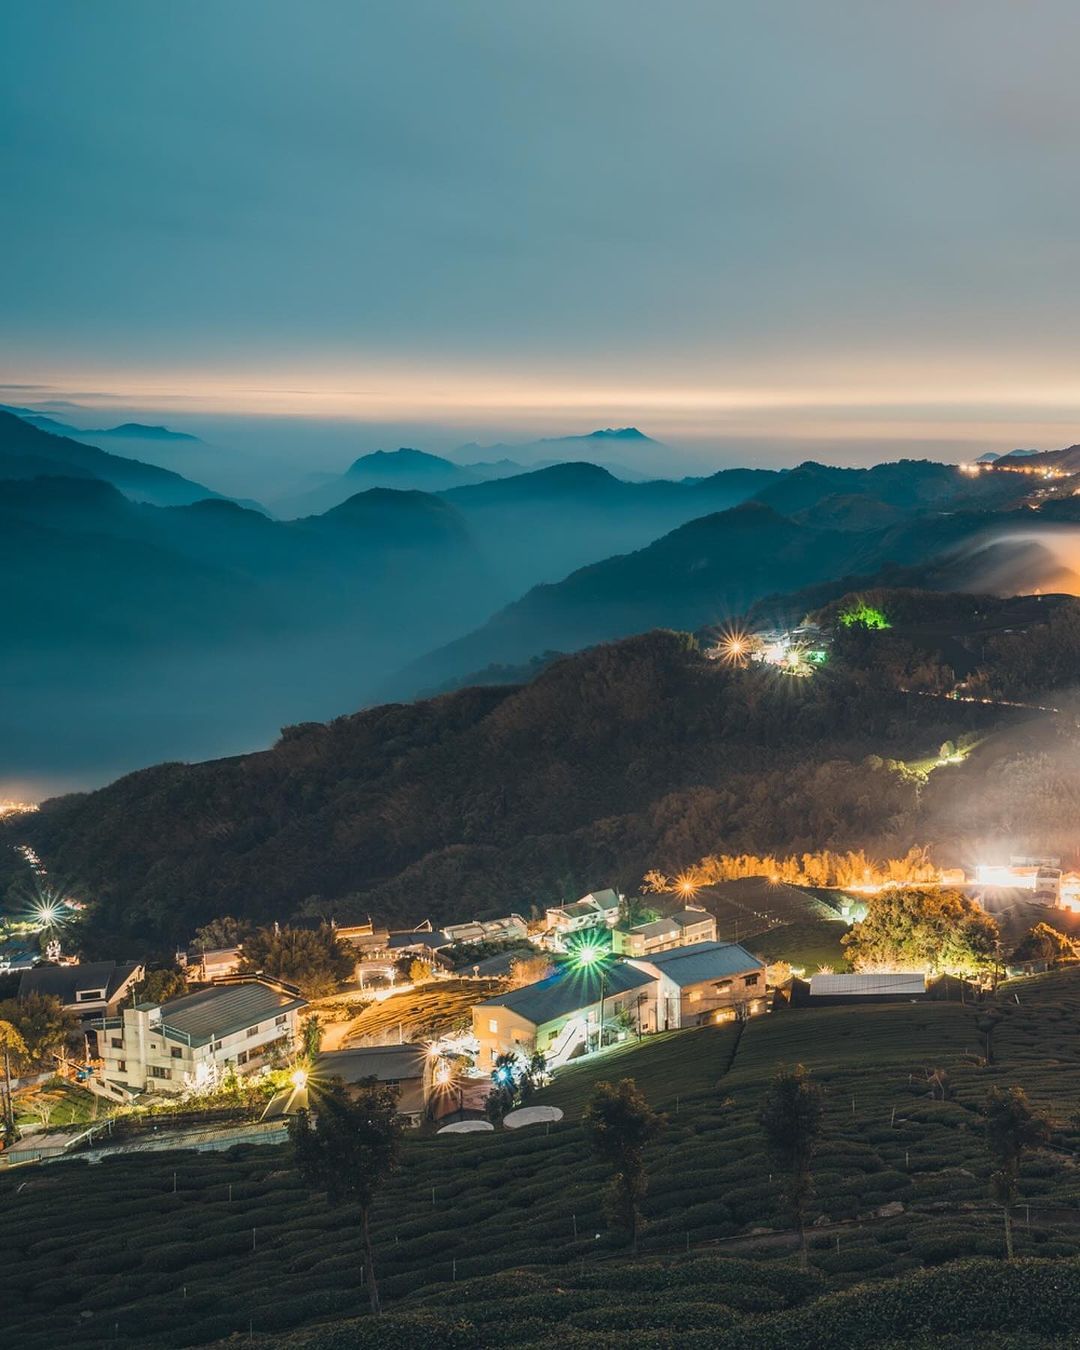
{"x":634,"y":755}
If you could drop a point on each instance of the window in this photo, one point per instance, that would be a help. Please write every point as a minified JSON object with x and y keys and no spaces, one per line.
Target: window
{"x":721,"y":985}
{"x":751,"y":980}
{"x":695,"y":995}
{"x":159,"y":1071}
{"x":89,"y":995}
{"x":121,"y":1066}
{"x":493,"y":1025}
{"x":176,"y":1052}
{"x":117,"y":1042}
{"x":280,"y":1021}
{"x":251,"y":1031}
{"x":216,"y":1046}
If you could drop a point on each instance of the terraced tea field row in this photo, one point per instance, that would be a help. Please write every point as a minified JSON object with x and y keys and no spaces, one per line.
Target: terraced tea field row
{"x":177,"y":1250}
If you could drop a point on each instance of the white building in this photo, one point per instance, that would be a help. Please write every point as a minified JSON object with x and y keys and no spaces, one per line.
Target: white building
{"x":661,"y":935}
{"x":188,"y":1042}
{"x":598,"y":909}
{"x":1041,"y":875}
{"x":705,"y":982}
{"x":513,"y":926}
{"x":212,"y":964}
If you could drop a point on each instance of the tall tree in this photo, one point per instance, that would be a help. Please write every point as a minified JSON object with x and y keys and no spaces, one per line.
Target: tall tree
{"x":986,"y":1023}
{"x":504,"y":1088}
{"x":935,"y":930}
{"x":1045,"y":943}
{"x":162,"y":985}
{"x":12,"y":1049}
{"x":311,"y":1034}
{"x":314,"y":959}
{"x":223,"y":932}
{"x":348,"y":1150}
{"x":618,"y":1123}
{"x":791,"y":1119}
{"x":42,"y":1023}
{"x":1012,"y":1126}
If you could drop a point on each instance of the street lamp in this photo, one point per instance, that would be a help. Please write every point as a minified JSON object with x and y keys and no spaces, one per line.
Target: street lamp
{"x":589,"y":956}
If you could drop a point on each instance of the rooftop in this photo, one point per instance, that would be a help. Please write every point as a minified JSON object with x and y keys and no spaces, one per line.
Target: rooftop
{"x":606,"y":899}
{"x":686,"y":918}
{"x":570,"y":988}
{"x":224,"y":1009}
{"x":64,"y":982}
{"x":387,"y":1063}
{"x":866,"y":986}
{"x":705,"y":961}
{"x":425,"y":938}
{"x":657,"y":928}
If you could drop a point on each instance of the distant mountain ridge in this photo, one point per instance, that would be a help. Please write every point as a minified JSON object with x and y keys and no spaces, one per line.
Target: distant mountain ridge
{"x":410,"y":468}
{"x":124,"y":431}
{"x":28,"y":451}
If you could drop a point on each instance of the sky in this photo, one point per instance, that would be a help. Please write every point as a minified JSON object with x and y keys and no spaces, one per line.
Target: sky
{"x":759,"y":232}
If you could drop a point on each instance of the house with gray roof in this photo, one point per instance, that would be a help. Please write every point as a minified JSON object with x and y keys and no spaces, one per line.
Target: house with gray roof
{"x":595,"y":910}
{"x":705,"y":982}
{"x":405,"y":1067}
{"x":563,"y":1012}
{"x":189,"y":1042}
{"x":92,"y":989}
{"x":660,"y":935}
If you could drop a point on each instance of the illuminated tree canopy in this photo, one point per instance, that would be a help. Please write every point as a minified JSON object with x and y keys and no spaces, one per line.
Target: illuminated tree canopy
{"x":862,"y":615}
{"x":939,"y":931}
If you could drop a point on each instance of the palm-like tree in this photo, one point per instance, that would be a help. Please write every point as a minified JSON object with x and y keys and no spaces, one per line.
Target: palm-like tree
{"x":12,"y":1047}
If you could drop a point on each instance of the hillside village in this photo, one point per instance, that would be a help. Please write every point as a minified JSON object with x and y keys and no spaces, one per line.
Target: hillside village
{"x":470,"y":1019}
{"x":491,"y":1059}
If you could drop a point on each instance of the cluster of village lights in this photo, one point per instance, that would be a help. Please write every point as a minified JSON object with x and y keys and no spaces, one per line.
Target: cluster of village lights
{"x":737,"y":648}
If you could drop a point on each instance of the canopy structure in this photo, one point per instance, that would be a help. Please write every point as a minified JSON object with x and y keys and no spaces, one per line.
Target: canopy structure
{"x":532,"y":1115}
{"x":467,"y":1127}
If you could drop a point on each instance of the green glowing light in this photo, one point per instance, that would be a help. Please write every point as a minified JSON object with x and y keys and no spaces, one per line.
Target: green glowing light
{"x":862,"y":615}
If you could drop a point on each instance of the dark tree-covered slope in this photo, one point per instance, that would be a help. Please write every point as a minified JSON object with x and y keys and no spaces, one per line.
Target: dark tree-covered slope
{"x":632,"y":755}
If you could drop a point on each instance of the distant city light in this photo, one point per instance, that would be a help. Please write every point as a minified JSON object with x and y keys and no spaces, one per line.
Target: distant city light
{"x":298,"y":1078}
{"x":443,"y":1073}
{"x":687,"y":887}
{"x":13,"y":808}
{"x":47,"y":914}
{"x":588,"y":954}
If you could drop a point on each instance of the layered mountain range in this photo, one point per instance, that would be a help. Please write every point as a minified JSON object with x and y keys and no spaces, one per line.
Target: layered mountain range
{"x":153,"y":618}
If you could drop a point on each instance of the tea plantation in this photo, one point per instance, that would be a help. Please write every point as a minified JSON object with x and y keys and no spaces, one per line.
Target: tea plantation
{"x":499,"y":1239}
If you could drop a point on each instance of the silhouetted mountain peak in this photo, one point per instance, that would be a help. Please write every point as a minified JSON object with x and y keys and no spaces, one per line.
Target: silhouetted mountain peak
{"x":619,"y":434}
{"x":141,"y":431}
{"x":404,"y":461}
{"x":394,"y":509}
